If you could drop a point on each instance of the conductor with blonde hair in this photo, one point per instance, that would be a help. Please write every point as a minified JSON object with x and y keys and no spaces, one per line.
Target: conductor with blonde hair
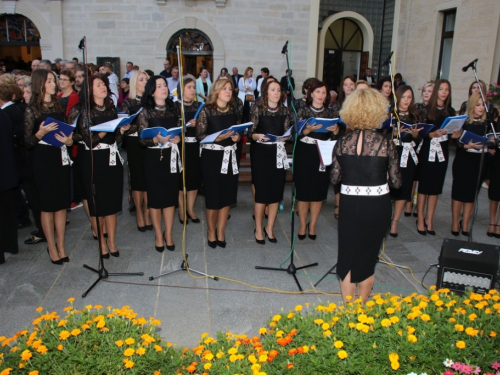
{"x":362,"y":161}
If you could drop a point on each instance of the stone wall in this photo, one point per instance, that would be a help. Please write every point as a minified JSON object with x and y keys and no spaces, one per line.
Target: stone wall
{"x":476,"y":36}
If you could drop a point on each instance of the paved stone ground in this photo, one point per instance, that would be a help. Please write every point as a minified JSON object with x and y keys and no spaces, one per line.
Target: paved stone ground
{"x":189,"y":306}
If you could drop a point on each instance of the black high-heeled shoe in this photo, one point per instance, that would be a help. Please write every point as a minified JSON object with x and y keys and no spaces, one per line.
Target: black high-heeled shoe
{"x":462,"y":230}
{"x":260,"y":242}
{"x":169,"y":247}
{"x":182,"y":222}
{"x":421,"y":232}
{"x":394,"y":235}
{"x":431,"y":232}
{"x":58,"y":262}
{"x":141,"y":229}
{"x":105,"y":256}
{"x":491,"y":234}
{"x":159,"y":248}
{"x":272,"y":240}
{"x":149,"y":227}
{"x":456,"y":233}
{"x":221,"y":244}
{"x":407,"y":214}
{"x":115,"y":254}
{"x":196,"y":221}
{"x":311,"y":236}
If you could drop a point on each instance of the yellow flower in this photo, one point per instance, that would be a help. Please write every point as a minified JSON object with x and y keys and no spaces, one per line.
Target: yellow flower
{"x":425,"y":317}
{"x":290,"y":315}
{"x":412,"y":338}
{"x":338,"y":344}
{"x":263,"y":358}
{"x":325,"y":326}
{"x":262,"y":331}
{"x":60,"y":347}
{"x":101,"y":323}
{"x":342,"y":354}
{"x":62,"y":323}
{"x":232,"y":351}
{"x":129,"y":352}
{"x":471,"y":331}
{"x":395,"y":365}
{"x":394,"y":319}
{"x":460,"y":344}
{"x":141,"y":351}
{"x":98,"y":307}
{"x":71,"y":299}
{"x":319,"y":321}
{"x":362,"y":318}
{"x":459,"y":327}
{"x":39,"y":309}
{"x":280,"y":333}
{"x":130,"y":341}
{"x":370,"y":304}
{"x":75,"y":332}
{"x":306,"y":348}
{"x":129,"y":364}
{"x":393,"y":357}
{"x":88,"y":307}
{"x":42,"y":349}
{"x":33,"y":372}
{"x":327,"y":333}
{"x":158,"y":348}
{"x":209,"y":356}
{"x":472,"y":317}
{"x":26,"y":355}
{"x":493,"y":334}
{"x":207,"y":366}
{"x":385,"y":323}
{"x":352,"y":325}
{"x":390,"y":310}
{"x":63,"y":335}
{"x":298,"y":308}
{"x":276,"y":318}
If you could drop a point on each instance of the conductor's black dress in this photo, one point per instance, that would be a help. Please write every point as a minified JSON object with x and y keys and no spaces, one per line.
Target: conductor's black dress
{"x":364,"y":198}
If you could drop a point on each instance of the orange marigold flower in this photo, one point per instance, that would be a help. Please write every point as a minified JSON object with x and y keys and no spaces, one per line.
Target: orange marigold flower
{"x":63,"y":335}
{"x":129,"y":352}
{"x":158,"y":348}
{"x":42,"y":349}
{"x":39,"y":309}
{"x":60,"y":347}
{"x":191,"y":369}
{"x":33,"y":372}
{"x":75,"y":332}
{"x":493,"y":334}
{"x":25,"y":355}
{"x":292,"y":351}
{"x":71,"y":299}
{"x":141,"y":351}
{"x":129,"y":364}
{"x":289,"y":365}
{"x":130,"y":341}
{"x":300,"y":350}
{"x":293,"y":332}
{"x":460,"y":344}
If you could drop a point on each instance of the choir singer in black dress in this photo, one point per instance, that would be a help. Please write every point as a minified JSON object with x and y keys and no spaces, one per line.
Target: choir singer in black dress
{"x":192,"y":160}
{"x":103,"y":168}
{"x":311,"y":179}
{"x":362,"y":161}
{"x":162,"y":162}
{"x":269,"y":159}
{"x":218,"y":160}
{"x":466,"y":167}
{"x":50,"y":165}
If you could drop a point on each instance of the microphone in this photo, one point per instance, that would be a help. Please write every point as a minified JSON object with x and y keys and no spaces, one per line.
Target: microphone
{"x":81,"y":45}
{"x":285,"y":48}
{"x":386,"y":62}
{"x":472,"y":65}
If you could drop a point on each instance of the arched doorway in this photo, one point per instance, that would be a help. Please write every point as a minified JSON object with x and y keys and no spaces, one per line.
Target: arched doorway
{"x":197,"y":51}
{"x":19,"y":41}
{"x":345,"y":47}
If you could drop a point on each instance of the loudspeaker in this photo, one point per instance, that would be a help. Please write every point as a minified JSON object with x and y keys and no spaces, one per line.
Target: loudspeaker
{"x":467,"y":266}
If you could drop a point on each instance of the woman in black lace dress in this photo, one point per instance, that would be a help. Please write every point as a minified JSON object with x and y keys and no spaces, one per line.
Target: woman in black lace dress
{"x":50,"y":165}
{"x":104,"y":168}
{"x":192,"y":160}
{"x":269,"y":159}
{"x":218,"y":160}
{"x":136,"y":152}
{"x":311,"y":179}
{"x":407,"y":152}
{"x":466,"y":167}
{"x":433,"y":156}
{"x":362,"y":159}
{"x":162,"y":162}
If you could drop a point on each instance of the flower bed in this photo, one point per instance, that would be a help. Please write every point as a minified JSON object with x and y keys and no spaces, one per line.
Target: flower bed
{"x":439,"y":333}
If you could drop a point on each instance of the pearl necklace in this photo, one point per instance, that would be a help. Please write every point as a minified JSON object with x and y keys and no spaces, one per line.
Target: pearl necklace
{"x":317,"y":110}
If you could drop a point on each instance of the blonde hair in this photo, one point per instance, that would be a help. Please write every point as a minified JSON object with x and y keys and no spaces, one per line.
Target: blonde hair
{"x":361,"y":82}
{"x":474,"y":98}
{"x":215,"y":90}
{"x":133,"y":83}
{"x":364,"y":109}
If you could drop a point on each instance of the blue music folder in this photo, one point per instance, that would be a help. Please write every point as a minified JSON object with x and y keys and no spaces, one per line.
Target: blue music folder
{"x":153,"y":132}
{"x":235,"y":128}
{"x":468,"y":136}
{"x":50,"y":137}
{"x":425,"y":131}
{"x":111,"y":126}
{"x":324,"y":122}
{"x":452,"y":123}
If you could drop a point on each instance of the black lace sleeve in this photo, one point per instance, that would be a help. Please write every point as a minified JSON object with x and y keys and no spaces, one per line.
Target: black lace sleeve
{"x":73,"y":114}
{"x":254,"y":117}
{"x":30,"y":139}
{"x":143,"y":123}
{"x":202,"y":124}
{"x":395,"y":179}
{"x":336,"y":173}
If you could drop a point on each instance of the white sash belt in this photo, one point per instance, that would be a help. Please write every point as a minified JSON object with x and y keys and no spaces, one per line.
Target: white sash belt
{"x":312,"y":141}
{"x":175,"y":160}
{"x":190,"y":140}
{"x":364,"y":190}
{"x":408,"y":149}
{"x":229,"y":151}
{"x":66,"y":160}
{"x":113,"y":152}
{"x":136,"y":134}
{"x":281,"y":156}
{"x":436,"y":148}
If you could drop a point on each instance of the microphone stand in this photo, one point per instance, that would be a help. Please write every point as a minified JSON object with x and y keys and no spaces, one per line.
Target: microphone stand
{"x":291,"y":269}
{"x":180,"y":95}
{"x":101,"y":271}
{"x":481,"y":163}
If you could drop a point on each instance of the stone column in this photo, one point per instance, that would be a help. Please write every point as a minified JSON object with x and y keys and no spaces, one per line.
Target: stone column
{"x":57,"y":33}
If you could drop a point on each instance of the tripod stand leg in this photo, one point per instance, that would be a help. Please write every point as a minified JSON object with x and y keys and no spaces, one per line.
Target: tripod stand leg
{"x":326,"y":274}
{"x":165,"y":274}
{"x":127,"y":274}
{"x":91,"y":287}
{"x":184,"y":267}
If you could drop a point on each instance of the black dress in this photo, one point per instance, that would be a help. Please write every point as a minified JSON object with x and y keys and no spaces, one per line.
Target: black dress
{"x":311,"y":183}
{"x":494,"y":174}
{"x":135,"y":151}
{"x":192,"y":162}
{"x":106,"y":168}
{"x":218,"y":161}
{"x":161,"y":163}
{"x":365,"y":219}
{"x":50,"y":169}
{"x":406,"y":147}
{"x":268,"y":172}
{"x":465,"y":167}
{"x":433,"y":165}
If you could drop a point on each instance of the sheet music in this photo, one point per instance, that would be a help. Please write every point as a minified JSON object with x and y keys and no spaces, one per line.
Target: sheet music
{"x":325,"y":150}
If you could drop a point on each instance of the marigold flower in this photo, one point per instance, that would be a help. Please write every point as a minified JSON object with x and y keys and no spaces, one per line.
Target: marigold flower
{"x":141,"y":351}
{"x":472,"y":317}
{"x":42,"y":349}
{"x":393,"y":357}
{"x":158,"y":348}
{"x":208,"y":356}
{"x":252,"y":359}
{"x":395,"y":365}
{"x":71,"y":299}
{"x":39,"y":309}
{"x":25,"y":355}
{"x":342,"y":354}
{"x":305,"y":348}
{"x":262,"y":331}
{"x":385,"y":323}
{"x":276,"y":318}
{"x":129,"y":364}
{"x":263,"y":358}
{"x":62,"y":323}
{"x":292,"y":351}
{"x":394,"y":319}
{"x":412,"y":338}
{"x":290,"y":315}
{"x":390,"y":310}
{"x":207,"y":366}
{"x":232,"y":351}
{"x":289,"y":365}
{"x":33,"y":372}
{"x":129,"y":352}
{"x":425,"y":317}
{"x":60,"y":347}
{"x":460,"y":344}
{"x":459,"y":327}
{"x":130,"y":341}
{"x":63,"y":335}
{"x":327,"y":333}
{"x":75,"y":332}
{"x":493,"y":334}
{"x":325,"y":326}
